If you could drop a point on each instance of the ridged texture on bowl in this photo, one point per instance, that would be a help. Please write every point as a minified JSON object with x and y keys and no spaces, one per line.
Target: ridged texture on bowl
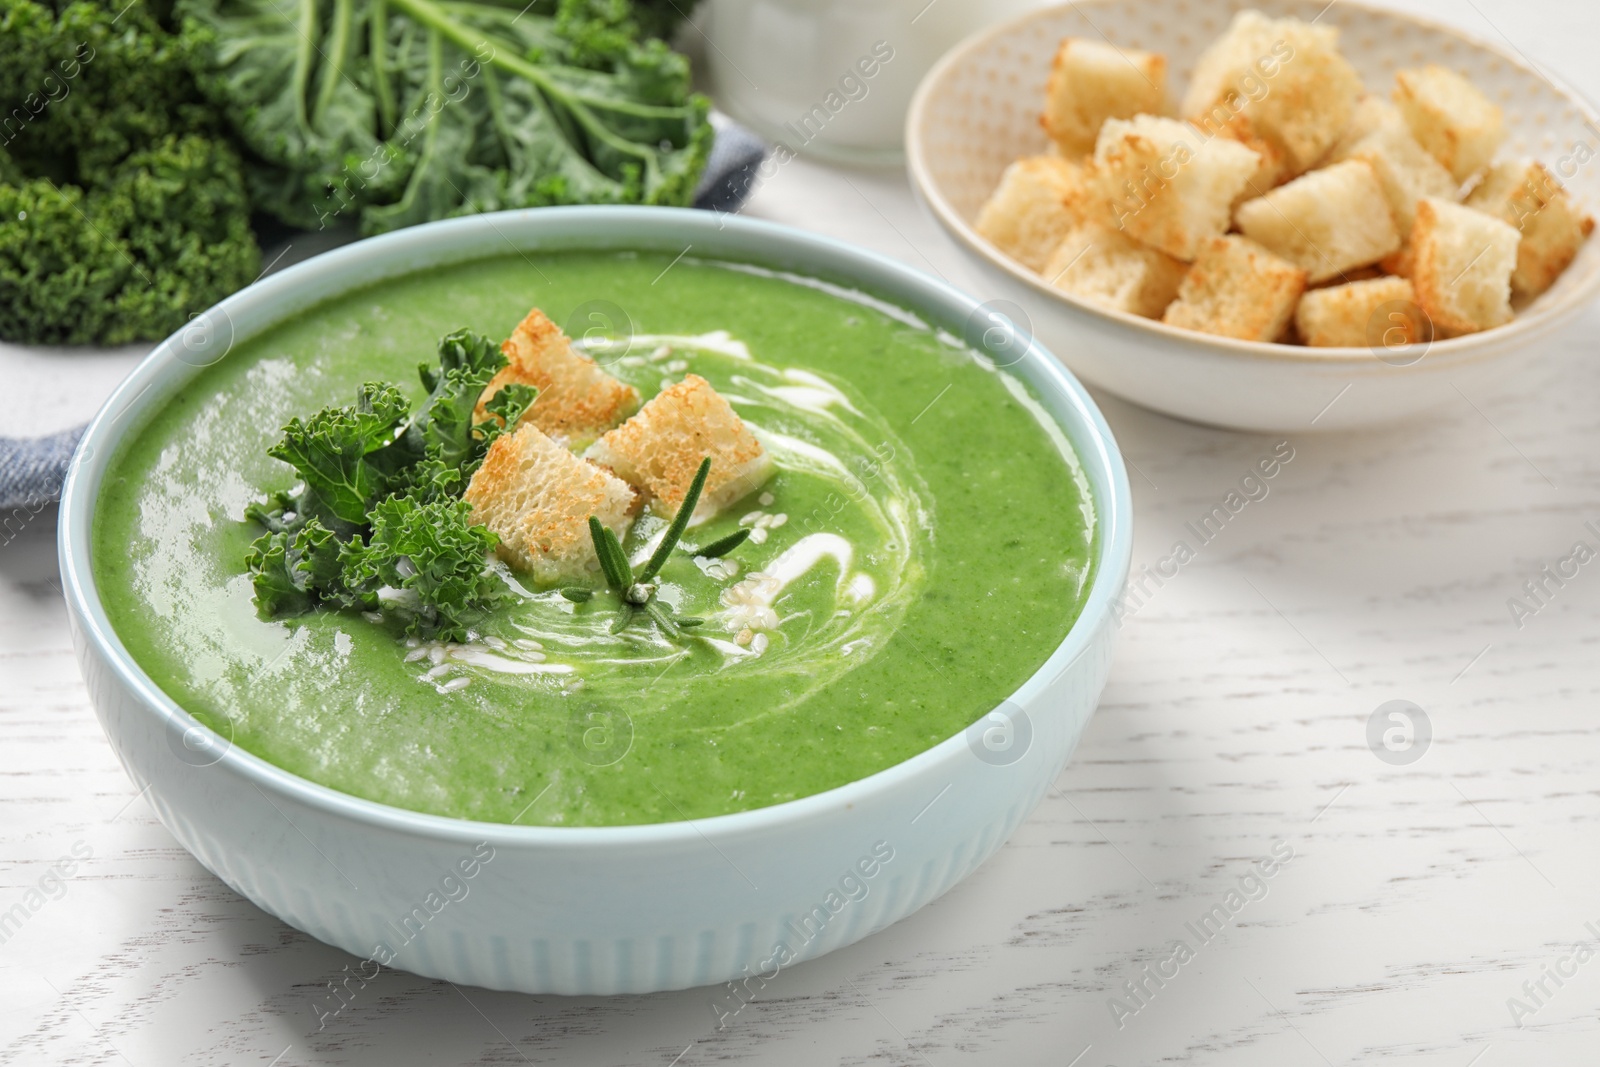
{"x":544,"y":918}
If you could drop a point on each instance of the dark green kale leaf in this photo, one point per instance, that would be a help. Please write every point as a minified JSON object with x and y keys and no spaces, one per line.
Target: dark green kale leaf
{"x":506,"y":408}
{"x":430,"y":479}
{"x":339,"y":455}
{"x":124,"y":203}
{"x":443,"y":425}
{"x":394,"y":112}
{"x":279,"y":591}
{"x":378,"y":501}
{"x":434,"y":551}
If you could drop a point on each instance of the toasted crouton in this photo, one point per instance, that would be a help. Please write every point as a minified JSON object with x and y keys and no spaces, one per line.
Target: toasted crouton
{"x":1032,"y":208}
{"x":660,"y":448}
{"x":1286,"y":76}
{"x":1236,"y":288}
{"x":1527,"y":196}
{"x":538,"y":497}
{"x":1399,"y":262}
{"x":1371,"y":114}
{"x":1449,"y":118}
{"x":1377,"y":311}
{"x":577,"y":399}
{"x":1090,"y":82}
{"x":1462,"y":261}
{"x":1405,"y":170}
{"x":1108,"y":268}
{"x":1354,"y":274}
{"x":1273,"y":167}
{"x":1165,"y":184}
{"x":1379,"y":135}
{"x":1326,"y":221}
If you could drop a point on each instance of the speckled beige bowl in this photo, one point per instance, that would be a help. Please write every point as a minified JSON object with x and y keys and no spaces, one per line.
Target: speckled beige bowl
{"x":977,"y":110}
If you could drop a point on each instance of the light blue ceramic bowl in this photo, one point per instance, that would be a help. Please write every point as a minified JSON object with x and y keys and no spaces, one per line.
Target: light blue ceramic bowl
{"x":593,"y":910}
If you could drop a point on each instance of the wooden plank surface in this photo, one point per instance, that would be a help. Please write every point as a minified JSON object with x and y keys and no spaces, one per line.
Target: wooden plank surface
{"x":1416,"y":903}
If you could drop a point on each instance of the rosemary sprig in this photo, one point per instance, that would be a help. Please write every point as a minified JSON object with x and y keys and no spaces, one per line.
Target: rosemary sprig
{"x":680,"y":522}
{"x":636,"y":593}
{"x":722,"y":546}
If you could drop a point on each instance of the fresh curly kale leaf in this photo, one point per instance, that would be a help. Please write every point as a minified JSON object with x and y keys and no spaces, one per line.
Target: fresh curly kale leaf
{"x":394,"y":112}
{"x":124,"y":204}
{"x":432,"y":550}
{"x":294,"y":572}
{"x":279,"y":591}
{"x":430,"y":479}
{"x":378,"y":504}
{"x":506,"y":408}
{"x":443,"y":426}
{"x":339,"y":455}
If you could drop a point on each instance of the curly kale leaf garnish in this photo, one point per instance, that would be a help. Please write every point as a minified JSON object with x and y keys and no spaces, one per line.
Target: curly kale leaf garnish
{"x":432,"y":551}
{"x":279,"y":590}
{"x":337,"y":454}
{"x":508,"y":405}
{"x":294,"y":572}
{"x":378,"y":503}
{"x":443,"y":424}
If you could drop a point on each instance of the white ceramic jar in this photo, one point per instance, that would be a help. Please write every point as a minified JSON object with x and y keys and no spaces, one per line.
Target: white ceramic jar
{"x":833,"y":78}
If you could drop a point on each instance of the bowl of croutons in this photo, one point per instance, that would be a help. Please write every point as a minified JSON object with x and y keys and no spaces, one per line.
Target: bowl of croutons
{"x":1303,"y":216}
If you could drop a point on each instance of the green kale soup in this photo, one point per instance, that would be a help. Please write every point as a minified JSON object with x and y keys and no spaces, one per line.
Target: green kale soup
{"x":924,"y":542}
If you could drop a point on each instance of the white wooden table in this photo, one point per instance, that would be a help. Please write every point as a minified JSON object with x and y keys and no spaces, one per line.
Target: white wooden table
{"x":1419,"y":901}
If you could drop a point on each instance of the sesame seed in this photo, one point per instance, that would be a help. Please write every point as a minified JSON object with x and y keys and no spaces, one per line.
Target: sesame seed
{"x":454,"y":684}
{"x":758,"y":644}
{"x":415,"y":654}
{"x":744,"y":636}
{"x":526,"y":643}
{"x":437,"y":672}
{"x":495,"y":643}
{"x":750,"y":518}
{"x":436,"y":654}
{"x":766,"y":500}
{"x":779,"y":519}
{"x":758,"y":536}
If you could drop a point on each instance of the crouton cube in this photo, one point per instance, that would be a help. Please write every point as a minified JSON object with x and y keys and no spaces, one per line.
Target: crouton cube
{"x":1272,"y":169}
{"x":1371,"y":114}
{"x":1527,"y":196}
{"x":1090,"y":82}
{"x":1032,"y":208}
{"x":1326,"y":221}
{"x":1376,"y":311}
{"x":1236,"y":288}
{"x":659,"y":450}
{"x":1462,"y":261}
{"x":577,"y":400}
{"x":1449,"y":118}
{"x":1405,"y":170}
{"x":538,"y":497}
{"x":1167,"y":185}
{"x":1106,"y":267}
{"x":1354,"y":274}
{"x":1286,"y":76}
{"x":1398,"y":262}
